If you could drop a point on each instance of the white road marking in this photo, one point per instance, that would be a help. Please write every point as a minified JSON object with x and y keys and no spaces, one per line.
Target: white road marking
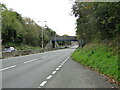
{"x":43,"y":83}
{"x":63,"y":62}
{"x":7,"y":68}
{"x":30,"y":61}
{"x":67,"y":58}
{"x":60,"y":66}
{"x":49,"y":77}
{"x":39,"y":87}
{"x":57,"y":69}
{"x":53,"y":72}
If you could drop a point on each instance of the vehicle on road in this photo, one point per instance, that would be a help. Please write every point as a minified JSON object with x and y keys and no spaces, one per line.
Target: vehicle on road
{"x":9,"y":49}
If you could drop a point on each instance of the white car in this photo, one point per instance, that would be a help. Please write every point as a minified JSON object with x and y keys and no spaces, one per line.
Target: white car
{"x":9,"y":49}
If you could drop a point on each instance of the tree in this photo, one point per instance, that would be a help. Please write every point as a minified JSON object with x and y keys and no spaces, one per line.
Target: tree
{"x":65,"y":35}
{"x":18,"y":30}
{"x":97,"y":20}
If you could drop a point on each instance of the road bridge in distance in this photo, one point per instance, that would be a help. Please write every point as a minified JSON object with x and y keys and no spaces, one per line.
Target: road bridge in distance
{"x":64,"y":38}
{"x":56,"y":39}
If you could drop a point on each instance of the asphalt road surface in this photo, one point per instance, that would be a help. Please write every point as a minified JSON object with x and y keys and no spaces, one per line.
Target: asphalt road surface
{"x":53,"y":69}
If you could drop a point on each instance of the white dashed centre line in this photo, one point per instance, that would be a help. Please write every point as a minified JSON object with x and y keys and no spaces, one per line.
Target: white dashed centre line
{"x":30,"y":61}
{"x":43,"y":83}
{"x":63,"y":62}
{"x":49,"y":77}
{"x":53,"y":72}
{"x":57,"y":68}
{"x":7,"y":68}
{"x":60,"y":66}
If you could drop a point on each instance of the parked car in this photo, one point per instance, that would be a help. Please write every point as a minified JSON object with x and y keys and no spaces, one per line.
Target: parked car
{"x":9,"y":49}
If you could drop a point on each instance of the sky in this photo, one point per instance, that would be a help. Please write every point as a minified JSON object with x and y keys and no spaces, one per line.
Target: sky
{"x":57,"y":13}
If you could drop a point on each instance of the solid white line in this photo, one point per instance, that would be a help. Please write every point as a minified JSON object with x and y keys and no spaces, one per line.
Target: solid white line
{"x":30,"y":61}
{"x":57,"y":68}
{"x":67,"y":58}
{"x":49,"y":77}
{"x":43,"y":83}
{"x":64,"y":62}
{"x":7,"y":68}
{"x":53,"y":72}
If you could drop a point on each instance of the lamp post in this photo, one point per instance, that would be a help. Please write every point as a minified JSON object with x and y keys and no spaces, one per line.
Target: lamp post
{"x":42,"y":32}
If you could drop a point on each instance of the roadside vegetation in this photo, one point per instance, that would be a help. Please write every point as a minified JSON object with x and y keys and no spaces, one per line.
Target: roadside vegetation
{"x":22,"y":32}
{"x":98,"y":24}
{"x":23,"y":47}
{"x":99,"y":57}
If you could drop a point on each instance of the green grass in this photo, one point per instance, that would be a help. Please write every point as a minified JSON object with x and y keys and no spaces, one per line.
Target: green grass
{"x":100,"y":58}
{"x":27,"y":47}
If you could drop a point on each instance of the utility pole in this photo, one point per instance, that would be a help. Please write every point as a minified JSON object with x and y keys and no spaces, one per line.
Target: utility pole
{"x":42,"y":33}
{"x":42,"y":38}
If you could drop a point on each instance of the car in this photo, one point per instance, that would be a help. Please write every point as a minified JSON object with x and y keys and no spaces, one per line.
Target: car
{"x":9,"y":49}
{"x":66,"y":46}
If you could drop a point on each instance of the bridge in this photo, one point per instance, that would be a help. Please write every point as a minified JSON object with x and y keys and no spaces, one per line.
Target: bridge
{"x":59,"y":40}
{"x":64,"y":38}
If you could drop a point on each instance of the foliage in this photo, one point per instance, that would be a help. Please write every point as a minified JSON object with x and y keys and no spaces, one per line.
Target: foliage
{"x":65,"y":35}
{"x":97,"y":20}
{"x":27,"y":47}
{"x":100,"y":58}
{"x":18,"y":30}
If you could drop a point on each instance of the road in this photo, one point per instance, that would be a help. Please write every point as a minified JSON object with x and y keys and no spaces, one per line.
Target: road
{"x":53,"y":69}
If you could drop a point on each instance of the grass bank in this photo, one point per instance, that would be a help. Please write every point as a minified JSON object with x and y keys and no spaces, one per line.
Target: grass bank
{"x":100,"y":58}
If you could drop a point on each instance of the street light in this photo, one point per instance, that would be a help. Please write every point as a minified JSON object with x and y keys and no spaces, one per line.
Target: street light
{"x":42,"y":31}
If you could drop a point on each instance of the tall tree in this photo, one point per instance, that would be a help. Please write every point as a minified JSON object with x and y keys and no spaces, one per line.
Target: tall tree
{"x":97,"y":20}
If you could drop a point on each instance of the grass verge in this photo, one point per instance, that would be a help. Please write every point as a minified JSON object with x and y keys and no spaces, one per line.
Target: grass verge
{"x":100,"y":58}
{"x":27,"y":47}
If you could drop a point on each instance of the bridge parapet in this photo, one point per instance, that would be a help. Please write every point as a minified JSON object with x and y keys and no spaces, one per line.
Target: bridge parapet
{"x":64,"y":38}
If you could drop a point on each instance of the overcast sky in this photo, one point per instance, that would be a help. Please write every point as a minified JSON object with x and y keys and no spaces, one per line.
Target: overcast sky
{"x":55,"y":12}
